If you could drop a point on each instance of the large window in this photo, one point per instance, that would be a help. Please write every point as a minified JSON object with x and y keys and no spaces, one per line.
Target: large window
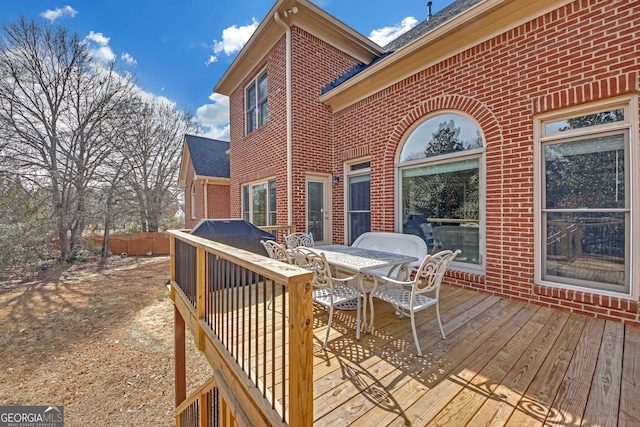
{"x":256,"y":105}
{"x":585,"y":198}
{"x":259,"y":203}
{"x":441,"y":188}
{"x":359,"y":197}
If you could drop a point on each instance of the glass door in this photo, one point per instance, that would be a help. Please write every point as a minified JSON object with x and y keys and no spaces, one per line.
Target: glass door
{"x":318,"y":210}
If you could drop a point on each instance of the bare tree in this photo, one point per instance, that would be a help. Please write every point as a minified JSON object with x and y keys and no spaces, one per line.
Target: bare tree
{"x":154,"y":159}
{"x":60,"y":113}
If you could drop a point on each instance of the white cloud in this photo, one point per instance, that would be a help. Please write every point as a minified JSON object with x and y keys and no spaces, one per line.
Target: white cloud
{"x":233,"y":39}
{"x":128,"y":59}
{"x":385,"y":35}
{"x":99,"y":47}
{"x":54,"y":14}
{"x":214,"y":118}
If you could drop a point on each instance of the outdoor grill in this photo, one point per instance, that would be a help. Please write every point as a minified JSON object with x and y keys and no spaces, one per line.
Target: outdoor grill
{"x":233,"y":232}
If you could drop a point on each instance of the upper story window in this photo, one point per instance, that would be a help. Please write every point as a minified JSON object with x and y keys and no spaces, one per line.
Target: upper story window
{"x":584,"y":197}
{"x":256,"y":103}
{"x":440,"y":188}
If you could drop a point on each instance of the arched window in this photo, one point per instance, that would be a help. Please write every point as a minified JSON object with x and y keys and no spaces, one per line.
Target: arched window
{"x":441,"y":189}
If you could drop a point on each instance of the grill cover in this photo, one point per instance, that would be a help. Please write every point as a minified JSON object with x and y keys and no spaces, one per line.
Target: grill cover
{"x":233,"y":232}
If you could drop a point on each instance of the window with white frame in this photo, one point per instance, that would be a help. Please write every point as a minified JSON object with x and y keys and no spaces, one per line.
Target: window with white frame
{"x":359,"y":199}
{"x":256,"y":105}
{"x":259,"y":202}
{"x":584,"y":197}
{"x":440,"y":169}
{"x":193,"y":200}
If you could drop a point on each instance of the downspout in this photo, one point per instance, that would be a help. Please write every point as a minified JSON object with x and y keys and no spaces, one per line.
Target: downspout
{"x":276,"y":17}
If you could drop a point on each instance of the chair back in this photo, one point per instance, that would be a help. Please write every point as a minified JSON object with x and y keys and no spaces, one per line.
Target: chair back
{"x":299,"y":238}
{"x":431,"y":271}
{"x":276,"y":250}
{"x":317,"y":264}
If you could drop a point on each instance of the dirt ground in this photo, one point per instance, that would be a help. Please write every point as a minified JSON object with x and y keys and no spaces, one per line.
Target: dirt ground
{"x":96,"y":339}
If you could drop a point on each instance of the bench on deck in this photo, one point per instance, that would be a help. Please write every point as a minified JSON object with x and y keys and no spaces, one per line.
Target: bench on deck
{"x":405,"y":244}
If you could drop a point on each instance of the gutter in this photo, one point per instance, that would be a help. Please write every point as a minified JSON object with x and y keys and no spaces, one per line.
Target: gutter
{"x":278,"y":20}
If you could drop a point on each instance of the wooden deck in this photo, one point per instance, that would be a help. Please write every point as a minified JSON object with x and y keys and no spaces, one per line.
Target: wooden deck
{"x":504,"y":362}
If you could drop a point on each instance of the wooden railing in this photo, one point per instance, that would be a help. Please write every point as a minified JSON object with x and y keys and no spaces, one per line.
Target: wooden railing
{"x":279,"y":231}
{"x":250,"y":316}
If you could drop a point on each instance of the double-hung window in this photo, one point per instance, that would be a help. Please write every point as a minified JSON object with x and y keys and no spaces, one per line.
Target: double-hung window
{"x":441,"y":189}
{"x":359,"y":199}
{"x":259,"y":203}
{"x":256,"y":103}
{"x":584,"y":196}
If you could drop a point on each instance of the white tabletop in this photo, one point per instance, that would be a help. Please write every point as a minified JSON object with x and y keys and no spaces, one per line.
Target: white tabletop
{"x":361,"y":260}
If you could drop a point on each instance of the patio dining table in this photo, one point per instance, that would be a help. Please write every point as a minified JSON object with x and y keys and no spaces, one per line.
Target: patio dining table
{"x":363,"y":262}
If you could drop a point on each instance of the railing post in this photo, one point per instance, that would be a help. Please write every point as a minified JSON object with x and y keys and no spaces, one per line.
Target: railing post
{"x":201,"y":294}
{"x":301,"y":351}
{"x":180,"y":351}
{"x":205,"y":409}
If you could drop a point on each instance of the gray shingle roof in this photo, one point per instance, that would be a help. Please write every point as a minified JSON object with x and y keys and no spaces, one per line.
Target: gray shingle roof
{"x":209,"y":156}
{"x":449,"y":12}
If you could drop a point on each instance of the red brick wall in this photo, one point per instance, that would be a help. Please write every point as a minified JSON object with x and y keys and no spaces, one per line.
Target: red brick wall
{"x":585,"y":51}
{"x":218,"y":201}
{"x":262,"y":154}
{"x":199,"y":205}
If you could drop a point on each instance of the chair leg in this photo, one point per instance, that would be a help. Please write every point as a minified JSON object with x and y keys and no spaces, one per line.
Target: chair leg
{"x":444,"y":337}
{"x":358,"y":301}
{"x":369,"y":327}
{"x":415,"y":334}
{"x":326,"y":340}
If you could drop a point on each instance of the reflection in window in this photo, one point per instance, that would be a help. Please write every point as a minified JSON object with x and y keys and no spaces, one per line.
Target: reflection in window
{"x":587,"y":120}
{"x":259,"y":203}
{"x":359,"y":208}
{"x":256,"y":103}
{"x":440,"y":196}
{"x":585,"y":212}
{"x":443,"y":134}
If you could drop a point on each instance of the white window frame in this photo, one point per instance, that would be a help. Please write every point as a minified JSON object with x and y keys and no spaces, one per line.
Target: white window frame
{"x":349,"y":173}
{"x":630,"y":125}
{"x":193,"y":200}
{"x":257,"y":104}
{"x":478,"y":153}
{"x":249,"y":216}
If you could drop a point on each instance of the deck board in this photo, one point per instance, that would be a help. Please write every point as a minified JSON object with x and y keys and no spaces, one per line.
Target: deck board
{"x":630,"y":390}
{"x":503,"y":363}
{"x":602,"y":405}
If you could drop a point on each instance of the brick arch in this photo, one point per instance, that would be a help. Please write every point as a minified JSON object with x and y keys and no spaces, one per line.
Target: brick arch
{"x":487,"y":121}
{"x":493,"y":139}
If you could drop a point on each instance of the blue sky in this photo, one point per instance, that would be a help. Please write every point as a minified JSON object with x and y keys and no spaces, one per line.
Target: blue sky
{"x":179,"y":49}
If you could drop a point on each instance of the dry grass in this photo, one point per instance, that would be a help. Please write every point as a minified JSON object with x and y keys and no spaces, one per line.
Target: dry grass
{"x":96,"y":339}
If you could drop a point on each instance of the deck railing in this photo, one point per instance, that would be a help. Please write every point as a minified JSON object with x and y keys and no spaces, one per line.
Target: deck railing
{"x":279,"y":231}
{"x":250,"y":316}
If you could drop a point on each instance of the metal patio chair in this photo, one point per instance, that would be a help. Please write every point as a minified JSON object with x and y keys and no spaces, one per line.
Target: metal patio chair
{"x":299,"y":238}
{"x":329,"y":291}
{"x":278,"y":252}
{"x":408,"y":297}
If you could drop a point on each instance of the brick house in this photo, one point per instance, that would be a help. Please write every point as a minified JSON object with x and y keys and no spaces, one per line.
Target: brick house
{"x":506,"y":128}
{"x":204,"y":177}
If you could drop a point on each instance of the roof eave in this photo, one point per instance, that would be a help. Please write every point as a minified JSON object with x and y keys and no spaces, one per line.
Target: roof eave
{"x":476,"y":25}
{"x":310,"y":18}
